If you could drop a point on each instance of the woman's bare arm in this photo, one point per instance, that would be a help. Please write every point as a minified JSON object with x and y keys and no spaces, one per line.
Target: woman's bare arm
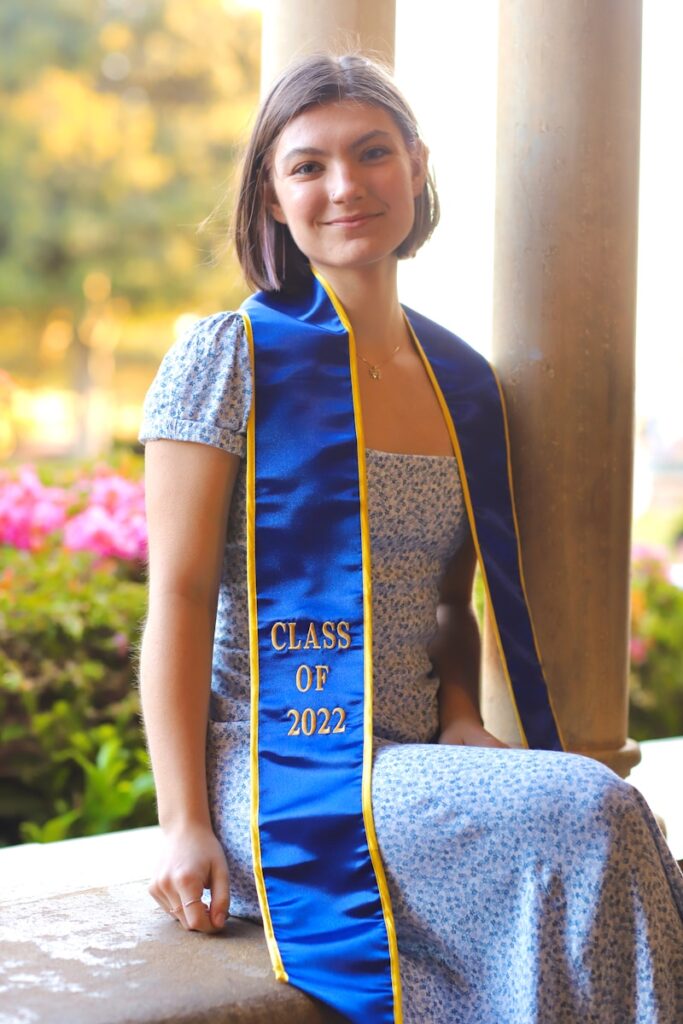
{"x":188,"y":489}
{"x":456,"y":652}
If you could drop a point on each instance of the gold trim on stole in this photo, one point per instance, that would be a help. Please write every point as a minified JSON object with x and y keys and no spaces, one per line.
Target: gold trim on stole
{"x":368,"y":819}
{"x":273,"y":949}
{"x":473,"y":527}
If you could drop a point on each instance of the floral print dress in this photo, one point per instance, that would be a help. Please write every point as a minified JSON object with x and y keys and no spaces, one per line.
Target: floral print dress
{"x":528,"y":887}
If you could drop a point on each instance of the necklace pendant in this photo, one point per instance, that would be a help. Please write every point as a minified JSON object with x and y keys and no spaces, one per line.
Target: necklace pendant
{"x":374,"y":372}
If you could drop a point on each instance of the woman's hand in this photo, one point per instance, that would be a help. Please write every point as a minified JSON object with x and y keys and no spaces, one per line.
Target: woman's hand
{"x":192,"y":860}
{"x":469,"y":732}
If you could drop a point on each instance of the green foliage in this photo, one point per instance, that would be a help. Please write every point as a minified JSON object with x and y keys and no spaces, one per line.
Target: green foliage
{"x":656,"y":681}
{"x":72,"y":754}
{"x":120,"y":127}
{"x":656,"y":671}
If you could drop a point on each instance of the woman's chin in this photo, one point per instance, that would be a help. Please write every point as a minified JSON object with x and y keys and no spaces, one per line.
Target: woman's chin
{"x":367,"y":262}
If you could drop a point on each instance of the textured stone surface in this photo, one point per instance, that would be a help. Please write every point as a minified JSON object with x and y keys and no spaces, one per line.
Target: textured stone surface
{"x":76,"y":951}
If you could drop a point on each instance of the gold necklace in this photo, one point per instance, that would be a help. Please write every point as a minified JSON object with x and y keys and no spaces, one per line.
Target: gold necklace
{"x":374,"y":368}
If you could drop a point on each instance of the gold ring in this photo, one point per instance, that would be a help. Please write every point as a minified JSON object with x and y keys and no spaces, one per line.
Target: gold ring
{"x":188,"y":903}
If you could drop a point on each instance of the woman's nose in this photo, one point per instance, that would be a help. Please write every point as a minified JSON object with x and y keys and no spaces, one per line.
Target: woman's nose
{"x":345,"y":184}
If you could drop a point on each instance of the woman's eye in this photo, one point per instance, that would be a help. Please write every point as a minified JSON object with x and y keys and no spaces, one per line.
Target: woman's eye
{"x":375,"y":151}
{"x":308,"y":168}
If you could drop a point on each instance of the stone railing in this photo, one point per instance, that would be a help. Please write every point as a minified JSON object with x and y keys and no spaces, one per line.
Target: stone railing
{"x":82,"y":942}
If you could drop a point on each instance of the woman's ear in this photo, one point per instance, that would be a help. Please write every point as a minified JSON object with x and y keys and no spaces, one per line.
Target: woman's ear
{"x":272,"y":204}
{"x":418,"y":159}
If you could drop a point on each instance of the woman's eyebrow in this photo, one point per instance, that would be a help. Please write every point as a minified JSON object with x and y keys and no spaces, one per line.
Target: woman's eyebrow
{"x":314,"y":151}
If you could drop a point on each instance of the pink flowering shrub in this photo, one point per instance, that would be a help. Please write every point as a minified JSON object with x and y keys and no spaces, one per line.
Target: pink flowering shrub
{"x":102,"y":512}
{"x":73,"y":547}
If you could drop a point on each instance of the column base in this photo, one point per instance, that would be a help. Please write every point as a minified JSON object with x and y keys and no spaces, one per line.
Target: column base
{"x":621,"y":760}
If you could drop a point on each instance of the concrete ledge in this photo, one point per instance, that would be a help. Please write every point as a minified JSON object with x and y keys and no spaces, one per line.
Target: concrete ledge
{"x":74,"y":950}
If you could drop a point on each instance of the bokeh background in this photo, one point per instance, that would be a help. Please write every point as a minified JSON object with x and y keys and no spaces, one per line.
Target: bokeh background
{"x":120,"y":126}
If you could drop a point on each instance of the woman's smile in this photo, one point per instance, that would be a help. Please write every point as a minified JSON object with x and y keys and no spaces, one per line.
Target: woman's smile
{"x":354,"y":221}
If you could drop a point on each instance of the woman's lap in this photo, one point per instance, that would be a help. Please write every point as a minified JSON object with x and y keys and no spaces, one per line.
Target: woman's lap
{"x":526,"y":885}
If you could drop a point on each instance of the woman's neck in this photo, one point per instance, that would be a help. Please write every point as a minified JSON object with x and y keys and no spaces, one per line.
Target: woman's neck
{"x":370,"y":300}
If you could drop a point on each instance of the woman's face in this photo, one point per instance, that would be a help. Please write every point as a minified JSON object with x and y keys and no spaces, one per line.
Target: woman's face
{"x":344,"y":182}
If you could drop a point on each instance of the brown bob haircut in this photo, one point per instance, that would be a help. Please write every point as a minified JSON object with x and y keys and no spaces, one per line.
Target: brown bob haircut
{"x":268,"y":255}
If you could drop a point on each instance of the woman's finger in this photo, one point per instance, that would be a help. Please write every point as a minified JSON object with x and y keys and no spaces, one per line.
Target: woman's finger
{"x":168,"y":895}
{"x":220,"y":892}
{"x":493,"y":741}
{"x":195,"y":911}
{"x":159,"y":896}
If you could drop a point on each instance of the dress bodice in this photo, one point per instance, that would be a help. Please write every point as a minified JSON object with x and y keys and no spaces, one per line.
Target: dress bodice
{"x":417,"y":521}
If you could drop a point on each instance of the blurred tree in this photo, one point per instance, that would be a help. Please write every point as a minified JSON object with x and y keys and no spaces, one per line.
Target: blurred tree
{"x":120,"y":124}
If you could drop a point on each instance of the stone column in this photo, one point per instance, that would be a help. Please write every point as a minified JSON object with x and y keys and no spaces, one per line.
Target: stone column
{"x":564,"y":327}
{"x":293,"y":28}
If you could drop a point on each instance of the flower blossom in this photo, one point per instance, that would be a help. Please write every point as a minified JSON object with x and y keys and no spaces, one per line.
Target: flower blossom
{"x":29,"y":511}
{"x":638,"y":650}
{"x":109,"y":521}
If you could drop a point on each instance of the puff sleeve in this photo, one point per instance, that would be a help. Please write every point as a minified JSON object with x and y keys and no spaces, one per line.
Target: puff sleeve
{"x":202,"y":389}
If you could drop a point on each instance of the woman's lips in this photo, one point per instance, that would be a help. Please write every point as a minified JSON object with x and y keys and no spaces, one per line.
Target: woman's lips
{"x":347,"y":222}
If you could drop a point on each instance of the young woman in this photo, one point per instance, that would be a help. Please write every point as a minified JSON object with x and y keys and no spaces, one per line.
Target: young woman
{"x":323,"y":469}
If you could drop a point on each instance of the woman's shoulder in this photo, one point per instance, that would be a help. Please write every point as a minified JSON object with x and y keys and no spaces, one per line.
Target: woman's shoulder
{"x":214,"y":348}
{"x":202,"y":389}
{"x":211,"y":335}
{"x":219,"y":322}
{"x":443,"y":338}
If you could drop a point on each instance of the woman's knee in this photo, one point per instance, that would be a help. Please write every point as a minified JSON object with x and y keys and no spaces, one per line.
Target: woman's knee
{"x":604,"y":800}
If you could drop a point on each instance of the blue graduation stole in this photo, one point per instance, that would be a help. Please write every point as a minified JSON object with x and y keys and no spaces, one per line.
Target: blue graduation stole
{"x":321,"y":884}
